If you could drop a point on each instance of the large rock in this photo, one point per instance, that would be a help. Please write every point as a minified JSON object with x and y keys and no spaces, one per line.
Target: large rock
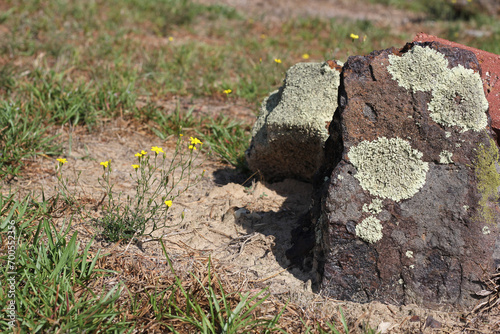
{"x":408,"y":209}
{"x":289,"y":135}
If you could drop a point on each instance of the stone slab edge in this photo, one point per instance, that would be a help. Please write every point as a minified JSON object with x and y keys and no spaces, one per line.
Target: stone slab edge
{"x":490,"y":65}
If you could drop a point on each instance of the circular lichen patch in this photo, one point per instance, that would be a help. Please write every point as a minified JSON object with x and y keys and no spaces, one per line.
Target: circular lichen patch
{"x":369,"y":230}
{"x":459,"y":100}
{"x":389,"y":168}
{"x":419,"y":69}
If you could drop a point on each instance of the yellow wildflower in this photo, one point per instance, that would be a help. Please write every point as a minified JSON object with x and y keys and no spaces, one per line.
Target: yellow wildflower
{"x":305,"y":56}
{"x":195,"y":141}
{"x":227,"y":91}
{"x":157,"y":149}
{"x":143,"y":152}
{"x":277,"y":60}
{"x":168,"y":203}
{"x":135,"y":166}
{"x":353,"y":36}
{"x":170,"y":39}
{"x":192,"y":147}
{"x":138,"y":155}
{"x":105,"y":164}
{"x":62,"y":161}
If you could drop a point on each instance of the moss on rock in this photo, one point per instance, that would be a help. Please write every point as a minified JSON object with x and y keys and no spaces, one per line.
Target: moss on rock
{"x":488,"y":178}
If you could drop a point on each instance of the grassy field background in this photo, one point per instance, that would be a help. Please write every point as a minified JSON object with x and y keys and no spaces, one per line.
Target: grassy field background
{"x":82,"y":64}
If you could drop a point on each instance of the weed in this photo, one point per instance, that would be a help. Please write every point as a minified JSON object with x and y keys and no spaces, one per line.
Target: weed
{"x":228,"y":138}
{"x":221,"y":317}
{"x":51,"y":278}
{"x":158,"y":182}
{"x":21,"y":136}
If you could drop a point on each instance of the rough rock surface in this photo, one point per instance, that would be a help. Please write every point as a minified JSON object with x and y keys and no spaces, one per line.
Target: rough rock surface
{"x":406,"y":212}
{"x":289,"y":135}
{"x":490,"y":74}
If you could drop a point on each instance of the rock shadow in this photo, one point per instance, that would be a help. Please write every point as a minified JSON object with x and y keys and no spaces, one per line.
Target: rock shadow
{"x":280,"y":221}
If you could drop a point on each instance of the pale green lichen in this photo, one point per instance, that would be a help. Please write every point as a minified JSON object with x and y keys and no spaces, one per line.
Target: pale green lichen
{"x":457,"y":94}
{"x":488,"y":179}
{"x":486,"y":230}
{"x":419,"y":69}
{"x":389,"y":168}
{"x":445,"y":157}
{"x":459,"y":100}
{"x":369,"y":230}
{"x":409,"y":254}
{"x":374,"y":207}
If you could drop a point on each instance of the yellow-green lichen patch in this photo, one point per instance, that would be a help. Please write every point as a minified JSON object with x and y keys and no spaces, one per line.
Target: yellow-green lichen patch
{"x":369,"y":230}
{"x":445,"y":157}
{"x":488,"y":179}
{"x":419,"y":69}
{"x":389,"y":168}
{"x":374,"y":207}
{"x":459,"y":100}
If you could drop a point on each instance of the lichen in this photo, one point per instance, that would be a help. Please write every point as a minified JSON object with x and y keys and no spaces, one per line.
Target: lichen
{"x":374,"y":207}
{"x":369,"y":230}
{"x":488,"y":179}
{"x":419,"y":69}
{"x":389,"y":168}
{"x":445,"y":157}
{"x":459,"y":100}
{"x":409,"y":254}
{"x":486,"y":230}
{"x":457,"y":94}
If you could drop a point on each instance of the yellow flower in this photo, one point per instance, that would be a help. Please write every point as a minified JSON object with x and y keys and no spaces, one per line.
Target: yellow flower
{"x":62,"y":161}
{"x":180,"y":135}
{"x":157,"y":149}
{"x":105,"y":164}
{"x":277,"y":60}
{"x":138,"y":155}
{"x":143,"y":152}
{"x":168,"y":203}
{"x":192,"y":147}
{"x":305,"y":56}
{"x":227,"y":91}
{"x":170,"y":39}
{"x":195,"y":141}
{"x":353,"y":36}
{"x":135,"y":166}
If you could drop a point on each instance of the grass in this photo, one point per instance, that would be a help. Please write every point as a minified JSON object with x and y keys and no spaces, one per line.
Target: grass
{"x":60,"y":285}
{"x":80,"y":64}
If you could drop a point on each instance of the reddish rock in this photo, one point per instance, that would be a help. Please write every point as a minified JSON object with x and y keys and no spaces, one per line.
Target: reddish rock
{"x":490,"y":64}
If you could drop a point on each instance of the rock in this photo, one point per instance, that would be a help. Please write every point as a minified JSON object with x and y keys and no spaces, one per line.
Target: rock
{"x":407,"y":210}
{"x":490,"y":74}
{"x":289,"y":135}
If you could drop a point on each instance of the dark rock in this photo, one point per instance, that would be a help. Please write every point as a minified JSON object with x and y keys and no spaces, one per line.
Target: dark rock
{"x":405,"y":210}
{"x":430,"y":322}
